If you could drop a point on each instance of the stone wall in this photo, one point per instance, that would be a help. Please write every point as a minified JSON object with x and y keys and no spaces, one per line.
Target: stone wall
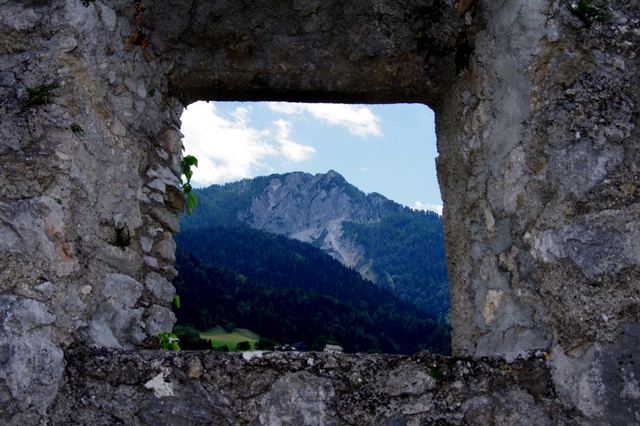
{"x":536,"y":105}
{"x":539,"y":168}
{"x":65,"y":277}
{"x":305,"y":389}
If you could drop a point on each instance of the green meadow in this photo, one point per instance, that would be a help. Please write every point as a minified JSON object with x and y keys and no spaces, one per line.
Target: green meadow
{"x":219,"y":336}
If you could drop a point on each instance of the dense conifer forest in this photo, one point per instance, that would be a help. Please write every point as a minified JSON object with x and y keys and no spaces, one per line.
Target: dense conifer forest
{"x":285,"y":289}
{"x":218,"y":205}
{"x":408,"y":255}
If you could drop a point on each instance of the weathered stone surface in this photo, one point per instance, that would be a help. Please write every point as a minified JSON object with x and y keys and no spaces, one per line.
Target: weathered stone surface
{"x":31,"y":367}
{"x":303,"y":398}
{"x":537,"y":117}
{"x":121,"y":259}
{"x":407,"y":380}
{"x":159,"y":287}
{"x":166,"y":248}
{"x":116,"y":323}
{"x":37,"y":228}
{"x":167,"y":219}
{"x":304,"y":389}
{"x":159,"y":320}
{"x":63,"y":192}
{"x":394,"y":51}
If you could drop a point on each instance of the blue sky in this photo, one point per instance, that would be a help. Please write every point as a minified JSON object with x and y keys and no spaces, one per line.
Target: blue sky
{"x":389,"y":149}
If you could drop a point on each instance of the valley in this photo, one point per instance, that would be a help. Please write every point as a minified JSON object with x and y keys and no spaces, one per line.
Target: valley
{"x":359,"y":270}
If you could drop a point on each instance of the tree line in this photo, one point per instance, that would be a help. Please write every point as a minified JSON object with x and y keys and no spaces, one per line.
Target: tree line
{"x":285,"y":289}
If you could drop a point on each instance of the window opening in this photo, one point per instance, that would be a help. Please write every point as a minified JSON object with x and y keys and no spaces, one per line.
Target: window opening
{"x":384,"y":149}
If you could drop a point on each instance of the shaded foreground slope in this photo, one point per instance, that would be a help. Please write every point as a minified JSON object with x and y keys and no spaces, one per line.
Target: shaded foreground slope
{"x":289,"y":289}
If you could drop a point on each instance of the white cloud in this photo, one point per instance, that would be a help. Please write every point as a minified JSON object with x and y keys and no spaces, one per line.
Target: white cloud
{"x":291,"y":150}
{"x":359,"y":120}
{"x":432,"y":207}
{"x":232,"y":148}
{"x":241,"y":114}
{"x":286,"y":107}
{"x":226,"y":149}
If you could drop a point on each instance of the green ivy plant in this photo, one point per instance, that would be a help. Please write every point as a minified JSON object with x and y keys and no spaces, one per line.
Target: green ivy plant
{"x":41,"y":94}
{"x":123,"y":237}
{"x":75,"y":128}
{"x":169,"y":341}
{"x":435,"y":372}
{"x":185,"y":164}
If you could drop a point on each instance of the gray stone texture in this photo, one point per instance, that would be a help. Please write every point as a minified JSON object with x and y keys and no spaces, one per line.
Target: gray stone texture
{"x":537,"y":118}
{"x":116,"y":323}
{"x":107,"y":387}
{"x":31,"y":367}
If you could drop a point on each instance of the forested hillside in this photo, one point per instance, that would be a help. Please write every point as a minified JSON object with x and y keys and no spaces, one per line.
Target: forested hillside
{"x":219,"y":205}
{"x":407,"y":252}
{"x":398,"y":248}
{"x":297,"y":198}
{"x":283,"y":288}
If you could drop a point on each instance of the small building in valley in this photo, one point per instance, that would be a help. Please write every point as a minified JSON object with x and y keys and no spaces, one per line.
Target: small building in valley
{"x":334,"y":349}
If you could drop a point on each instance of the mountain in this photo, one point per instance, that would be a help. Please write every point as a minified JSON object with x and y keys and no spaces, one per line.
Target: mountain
{"x":330,"y":213}
{"x":285,"y":289}
{"x":407,"y":255}
{"x":309,"y":208}
{"x":398,"y":248}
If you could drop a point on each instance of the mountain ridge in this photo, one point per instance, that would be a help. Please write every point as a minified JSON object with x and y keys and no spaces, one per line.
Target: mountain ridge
{"x":335,"y":216}
{"x":309,"y":208}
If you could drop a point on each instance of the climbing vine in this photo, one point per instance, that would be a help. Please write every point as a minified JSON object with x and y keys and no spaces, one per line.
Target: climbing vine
{"x":185,"y":164}
{"x":40,"y":95}
{"x":169,"y":341}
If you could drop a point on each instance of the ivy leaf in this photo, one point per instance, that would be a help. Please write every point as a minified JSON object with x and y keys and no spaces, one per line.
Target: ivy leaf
{"x":190,"y":160}
{"x":169,"y":341}
{"x":192,"y":202}
{"x":186,"y":163}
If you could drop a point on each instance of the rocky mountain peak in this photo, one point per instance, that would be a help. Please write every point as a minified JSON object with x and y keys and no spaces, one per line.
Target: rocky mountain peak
{"x":397,"y":248}
{"x":304,"y":205}
{"x":308,"y":207}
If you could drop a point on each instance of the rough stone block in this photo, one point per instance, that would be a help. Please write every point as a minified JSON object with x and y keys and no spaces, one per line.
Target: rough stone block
{"x":116,"y":323}
{"x":31,"y":367}
{"x":159,"y":320}
{"x":159,"y":287}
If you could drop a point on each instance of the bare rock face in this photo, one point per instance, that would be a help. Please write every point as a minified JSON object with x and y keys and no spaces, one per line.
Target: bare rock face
{"x":311,"y":208}
{"x":536,"y":107}
{"x":301,"y":202}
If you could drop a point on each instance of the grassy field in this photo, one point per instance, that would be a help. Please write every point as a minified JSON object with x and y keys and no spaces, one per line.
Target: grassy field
{"x":219,"y":337}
